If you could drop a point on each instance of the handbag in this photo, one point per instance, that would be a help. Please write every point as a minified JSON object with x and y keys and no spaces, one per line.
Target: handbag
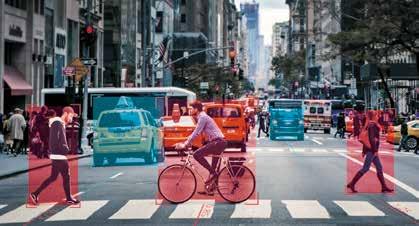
{"x":364,"y":138}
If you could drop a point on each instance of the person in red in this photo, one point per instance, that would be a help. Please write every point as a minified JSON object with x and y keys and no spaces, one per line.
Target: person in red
{"x":215,"y":146}
{"x":59,"y":149}
{"x":371,"y":154}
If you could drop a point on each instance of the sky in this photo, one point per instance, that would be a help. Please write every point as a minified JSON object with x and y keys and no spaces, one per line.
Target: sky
{"x":270,"y":12}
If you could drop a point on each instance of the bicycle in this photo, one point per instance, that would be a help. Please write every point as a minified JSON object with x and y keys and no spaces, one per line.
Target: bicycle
{"x":235,"y":182}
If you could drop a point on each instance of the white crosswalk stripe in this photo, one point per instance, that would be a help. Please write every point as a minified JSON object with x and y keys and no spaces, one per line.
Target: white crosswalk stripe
{"x":137,"y":209}
{"x":201,"y":209}
{"x":409,"y":208}
{"x":319,"y":150}
{"x":276,"y":149}
{"x":359,"y":209}
{"x":194,"y":209}
{"x":24,"y":213}
{"x":81,"y":212}
{"x":2,"y":206}
{"x":262,"y":209}
{"x":307,"y":209}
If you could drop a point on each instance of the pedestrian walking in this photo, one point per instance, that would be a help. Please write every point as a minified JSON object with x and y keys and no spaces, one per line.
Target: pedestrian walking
{"x":41,"y":126}
{"x":59,"y":149}
{"x":262,"y":119}
{"x":16,"y":125}
{"x":370,"y":152}
{"x":357,"y":125}
{"x":340,"y":126}
{"x":404,"y":133}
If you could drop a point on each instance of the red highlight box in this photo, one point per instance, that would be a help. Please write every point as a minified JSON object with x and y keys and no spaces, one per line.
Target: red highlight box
{"x":370,"y":182}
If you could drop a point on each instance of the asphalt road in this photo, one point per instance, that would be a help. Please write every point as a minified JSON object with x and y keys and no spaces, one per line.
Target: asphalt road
{"x":298,"y":183}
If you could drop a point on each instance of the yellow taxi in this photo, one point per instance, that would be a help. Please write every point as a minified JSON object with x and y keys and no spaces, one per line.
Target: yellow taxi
{"x":177,"y":128}
{"x":231,"y":119}
{"x":394,"y":135}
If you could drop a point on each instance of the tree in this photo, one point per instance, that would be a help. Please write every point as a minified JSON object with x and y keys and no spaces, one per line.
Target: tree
{"x":216,"y":76}
{"x":384,"y":29}
{"x":291,"y":66}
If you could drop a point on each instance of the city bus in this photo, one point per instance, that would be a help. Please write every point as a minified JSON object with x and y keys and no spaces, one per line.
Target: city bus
{"x":161,"y":98}
{"x":286,"y":119}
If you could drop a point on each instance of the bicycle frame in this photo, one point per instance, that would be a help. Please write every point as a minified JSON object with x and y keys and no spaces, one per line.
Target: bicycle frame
{"x":188,"y":163}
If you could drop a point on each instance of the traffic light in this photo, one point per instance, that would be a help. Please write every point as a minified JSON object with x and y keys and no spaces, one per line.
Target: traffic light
{"x":88,"y":35}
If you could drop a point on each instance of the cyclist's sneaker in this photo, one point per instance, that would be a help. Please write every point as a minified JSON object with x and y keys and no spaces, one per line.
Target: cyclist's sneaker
{"x":34,"y":198}
{"x":211,"y":180}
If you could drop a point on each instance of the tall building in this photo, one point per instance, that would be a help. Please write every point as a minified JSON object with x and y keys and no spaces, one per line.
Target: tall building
{"x":38,"y":39}
{"x":251,"y":11}
{"x":280,"y":38}
{"x":297,"y":25}
{"x":324,"y":21}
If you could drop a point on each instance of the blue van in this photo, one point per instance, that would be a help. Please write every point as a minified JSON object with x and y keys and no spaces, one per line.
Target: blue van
{"x":286,"y":119}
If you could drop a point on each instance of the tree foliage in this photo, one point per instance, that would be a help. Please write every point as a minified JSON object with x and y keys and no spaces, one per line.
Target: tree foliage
{"x":291,"y":66}
{"x":385,"y":28}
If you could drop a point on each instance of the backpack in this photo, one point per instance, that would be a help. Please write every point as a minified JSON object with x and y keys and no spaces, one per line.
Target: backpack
{"x":364,"y":137}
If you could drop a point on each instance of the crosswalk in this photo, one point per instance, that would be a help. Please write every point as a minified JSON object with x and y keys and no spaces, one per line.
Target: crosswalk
{"x":295,"y":150}
{"x":206,"y":209}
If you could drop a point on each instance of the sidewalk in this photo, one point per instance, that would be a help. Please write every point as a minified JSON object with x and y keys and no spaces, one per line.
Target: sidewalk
{"x":11,"y":166}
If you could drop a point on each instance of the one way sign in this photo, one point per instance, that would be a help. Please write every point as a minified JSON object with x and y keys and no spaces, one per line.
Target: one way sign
{"x":89,"y":61}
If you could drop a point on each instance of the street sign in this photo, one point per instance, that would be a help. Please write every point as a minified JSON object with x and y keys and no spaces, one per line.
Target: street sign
{"x":81,"y":69}
{"x":89,"y":61}
{"x":69,"y":71}
{"x":204,"y":85}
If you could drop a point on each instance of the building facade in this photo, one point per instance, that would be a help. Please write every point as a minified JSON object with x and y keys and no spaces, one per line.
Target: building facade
{"x":251,"y":11}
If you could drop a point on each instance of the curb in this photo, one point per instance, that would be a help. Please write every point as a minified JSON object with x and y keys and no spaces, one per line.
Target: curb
{"x":17,"y":172}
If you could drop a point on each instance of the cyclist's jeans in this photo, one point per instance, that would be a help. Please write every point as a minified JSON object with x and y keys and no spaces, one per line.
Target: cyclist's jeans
{"x":213,"y":148}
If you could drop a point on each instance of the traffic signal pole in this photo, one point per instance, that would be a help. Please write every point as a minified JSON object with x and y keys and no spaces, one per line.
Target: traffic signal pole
{"x":84,"y":140}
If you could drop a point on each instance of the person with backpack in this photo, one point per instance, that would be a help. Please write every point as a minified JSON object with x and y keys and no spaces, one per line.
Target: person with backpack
{"x":340,"y":127}
{"x":404,"y":133}
{"x":370,"y":138}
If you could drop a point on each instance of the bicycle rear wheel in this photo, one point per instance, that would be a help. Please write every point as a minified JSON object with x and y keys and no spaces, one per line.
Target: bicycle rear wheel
{"x":177,"y":183}
{"x":236,"y":183}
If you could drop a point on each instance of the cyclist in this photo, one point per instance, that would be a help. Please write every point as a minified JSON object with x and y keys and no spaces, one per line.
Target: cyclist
{"x":215,"y":146}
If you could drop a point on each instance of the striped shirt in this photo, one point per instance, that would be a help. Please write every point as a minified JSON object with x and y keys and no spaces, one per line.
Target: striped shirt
{"x":207,"y":127}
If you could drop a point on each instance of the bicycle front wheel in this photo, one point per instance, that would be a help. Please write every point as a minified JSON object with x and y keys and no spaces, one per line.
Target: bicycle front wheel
{"x":177,"y":183}
{"x":236,"y":183}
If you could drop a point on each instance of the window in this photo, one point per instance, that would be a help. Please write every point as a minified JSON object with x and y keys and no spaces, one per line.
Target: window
{"x":312,"y":110}
{"x":36,"y":6}
{"x":119,"y":119}
{"x":183,"y":2}
{"x":320,"y":110}
{"x":41,"y":7}
{"x":183,"y":18}
{"x":20,"y":4}
{"x":160,"y":21}
{"x":60,"y":41}
{"x":150,"y":119}
{"x":146,"y":121}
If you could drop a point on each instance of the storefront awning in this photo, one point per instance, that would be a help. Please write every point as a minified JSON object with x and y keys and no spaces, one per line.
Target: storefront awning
{"x":16,"y":82}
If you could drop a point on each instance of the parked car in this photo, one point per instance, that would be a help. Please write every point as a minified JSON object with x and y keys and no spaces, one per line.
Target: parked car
{"x":231,"y":120}
{"x":394,"y":135}
{"x":127,"y":133}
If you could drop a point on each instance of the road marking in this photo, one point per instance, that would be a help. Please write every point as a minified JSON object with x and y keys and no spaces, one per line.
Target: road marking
{"x":82,"y":212}
{"x":409,"y":208}
{"x":388,"y":177}
{"x":318,"y":150}
{"x":306,"y":209}
{"x":339,"y":150}
{"x":306,"y":137}
{"x":262,"y":210}
{"x":24,"y":214}
{"x":2,"y":206}
{"x":316,"y":141}
{"x":193,"y":209}
{"x":299,"y":150}
{"x":78,"y":194}
{"x":255,"y":149}
{"x":137,"y":209}
{"x":116,"y":175}
{"x":359,"y":209}
{"x":318,"y":138}
{"x":275,"y":149}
